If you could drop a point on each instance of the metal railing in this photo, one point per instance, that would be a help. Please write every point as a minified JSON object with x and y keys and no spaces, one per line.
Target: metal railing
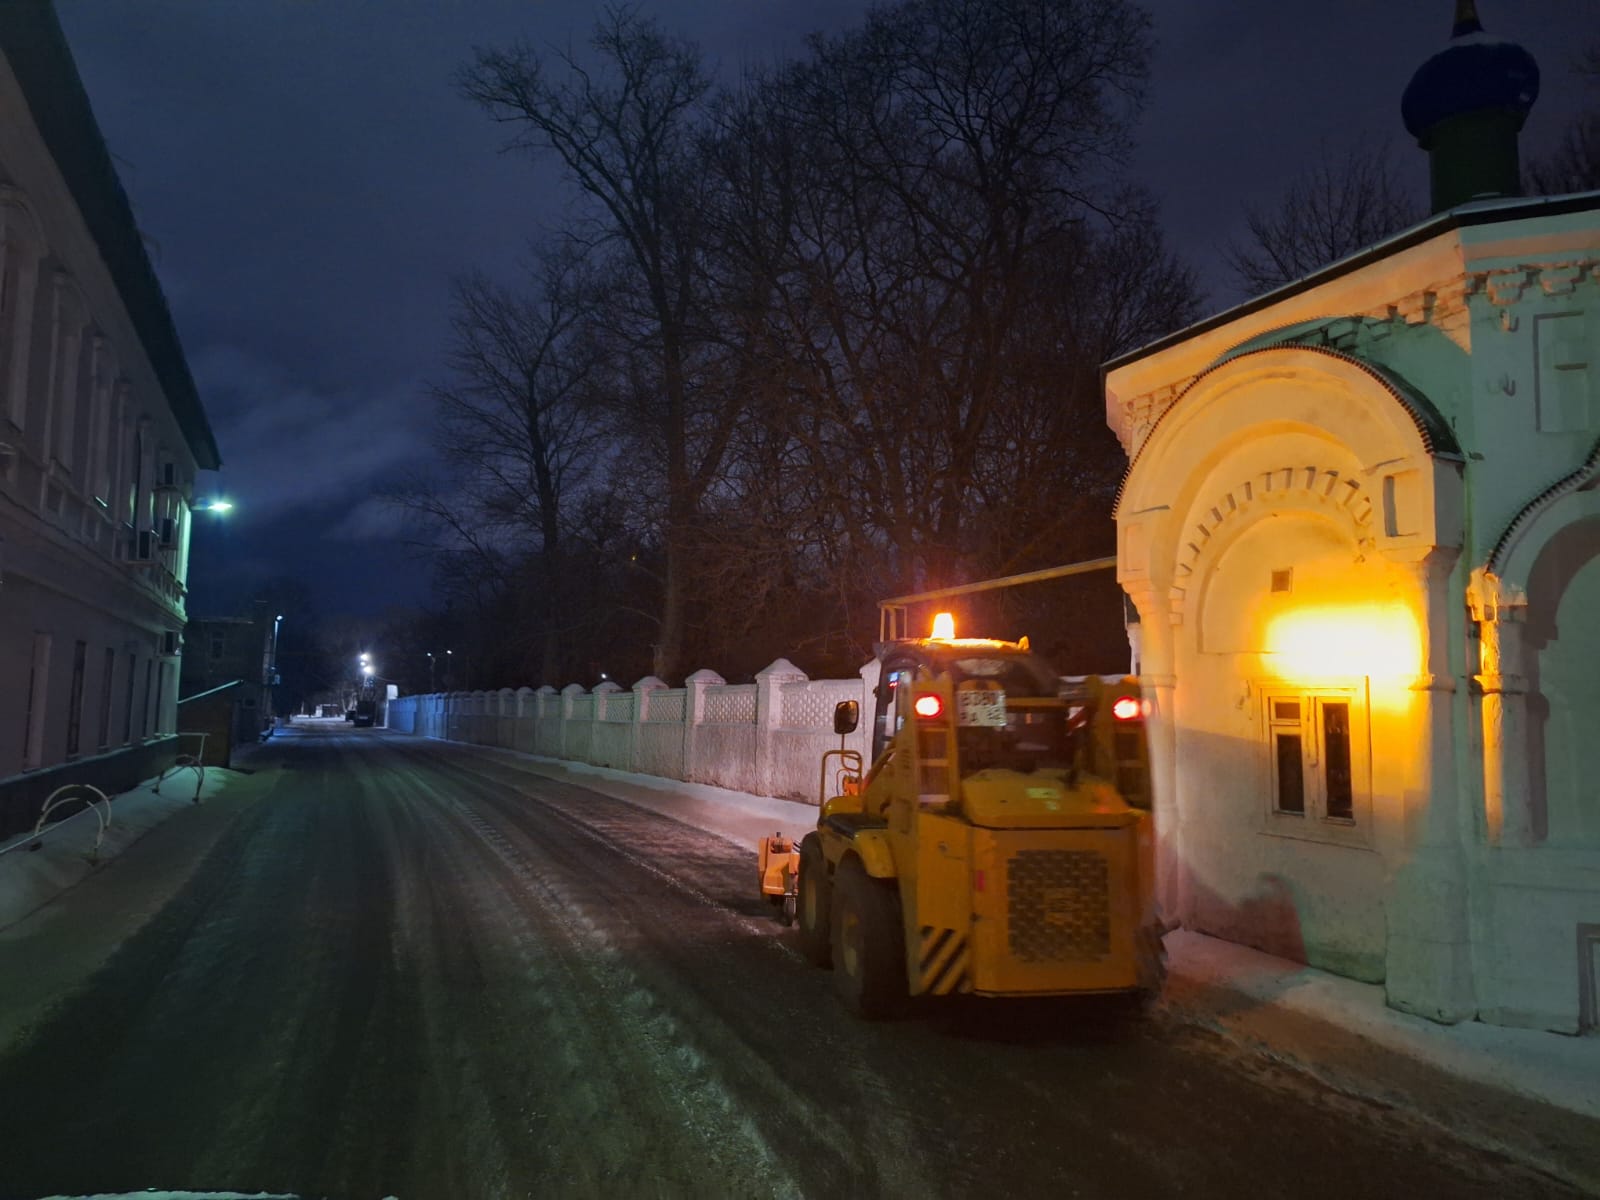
{"x":66,"y":794}
{"x":187,"y":762}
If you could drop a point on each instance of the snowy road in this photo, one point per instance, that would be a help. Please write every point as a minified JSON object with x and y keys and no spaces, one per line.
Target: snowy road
{"x":406,"y":968}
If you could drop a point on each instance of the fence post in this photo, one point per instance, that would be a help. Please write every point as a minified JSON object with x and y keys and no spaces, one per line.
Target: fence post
{"x":527,"y":709}
{"x":641,"y":713}
{"x":769,"y":712}
{"x":547,"y":703}
{"x":600,"y":730}
{"x":568,"y":694}
{"x":694,"y":707}
{"x":506,"y":713}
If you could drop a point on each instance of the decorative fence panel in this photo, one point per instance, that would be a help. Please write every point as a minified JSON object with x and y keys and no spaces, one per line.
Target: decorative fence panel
{"x":767,"y":737}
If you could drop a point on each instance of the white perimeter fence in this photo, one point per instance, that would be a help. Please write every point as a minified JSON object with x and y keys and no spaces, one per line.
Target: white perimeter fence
{"x":766,"y":737}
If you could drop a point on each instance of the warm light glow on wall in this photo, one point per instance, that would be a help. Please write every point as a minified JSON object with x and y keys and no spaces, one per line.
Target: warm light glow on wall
{"x":1380,"y":641}
{"x":944,"y":627}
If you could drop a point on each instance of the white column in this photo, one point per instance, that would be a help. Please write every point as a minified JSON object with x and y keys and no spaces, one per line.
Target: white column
{"x":1501,"y":611}
{"x":1429,"y":967}
{"x":641,"y":715}
{"x":1158,"y":638}
{"x":769,"y":710}
{"x":694,"y":707}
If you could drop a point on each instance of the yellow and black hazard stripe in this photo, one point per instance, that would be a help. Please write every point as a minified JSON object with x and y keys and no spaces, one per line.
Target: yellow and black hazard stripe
{"x":946,"y":962}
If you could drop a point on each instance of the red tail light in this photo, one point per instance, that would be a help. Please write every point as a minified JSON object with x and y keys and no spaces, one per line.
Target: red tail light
{"x":929,"y":706}
{"x":1126,"y":708}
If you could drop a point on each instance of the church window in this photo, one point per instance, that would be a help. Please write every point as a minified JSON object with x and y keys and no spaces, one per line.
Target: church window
{"x":1562,"y":388}
{"x":1316,"y":766}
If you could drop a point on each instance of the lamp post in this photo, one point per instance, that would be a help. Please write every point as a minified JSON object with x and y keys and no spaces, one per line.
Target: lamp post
{"x":272,"y":671}
{"x":430,"y":672}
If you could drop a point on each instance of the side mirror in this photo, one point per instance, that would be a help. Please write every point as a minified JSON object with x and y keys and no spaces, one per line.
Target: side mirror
{"x":846,"y":716}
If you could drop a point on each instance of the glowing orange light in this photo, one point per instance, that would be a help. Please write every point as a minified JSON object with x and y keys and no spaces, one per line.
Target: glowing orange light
{"x":1125,"y":709}
{"x":944,"y":626}
{"x":929,"y":706}
{"x":1373,"y":640}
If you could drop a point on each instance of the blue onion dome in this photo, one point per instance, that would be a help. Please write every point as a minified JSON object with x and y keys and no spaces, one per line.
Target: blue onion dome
{"x":1474,"y":73}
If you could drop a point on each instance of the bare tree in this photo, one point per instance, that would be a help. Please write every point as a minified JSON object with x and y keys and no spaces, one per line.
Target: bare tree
{"x":626,"y":135}
{"x":855,"y":311}
{"x":1342,"y":203}
{"x":1574,"y":166}
{"x":937,"y":157}
{"x":519,"y":431}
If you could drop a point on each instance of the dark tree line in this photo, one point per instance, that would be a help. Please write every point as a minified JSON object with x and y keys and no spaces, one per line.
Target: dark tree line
{"x":830,"y":335}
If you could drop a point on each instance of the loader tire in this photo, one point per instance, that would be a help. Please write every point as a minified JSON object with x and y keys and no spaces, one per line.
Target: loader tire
{"x":869,"y":955}
{"x":816,"y":923}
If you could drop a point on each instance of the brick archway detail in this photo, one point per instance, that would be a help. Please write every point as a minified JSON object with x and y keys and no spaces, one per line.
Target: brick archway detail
{"x":1303,"y":488}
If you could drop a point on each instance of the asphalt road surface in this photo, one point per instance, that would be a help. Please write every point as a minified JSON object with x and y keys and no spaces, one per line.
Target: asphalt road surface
{"x":408,"y":969}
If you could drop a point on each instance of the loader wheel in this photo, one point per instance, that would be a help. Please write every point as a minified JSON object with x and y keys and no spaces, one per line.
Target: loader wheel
{"x":815,"y":893}
{"x":869,"y":956}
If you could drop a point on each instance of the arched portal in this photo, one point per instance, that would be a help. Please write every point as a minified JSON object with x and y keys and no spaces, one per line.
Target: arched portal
{"x":1286,"y":531}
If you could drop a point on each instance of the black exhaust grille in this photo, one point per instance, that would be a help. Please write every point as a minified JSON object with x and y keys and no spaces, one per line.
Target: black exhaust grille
{"x":1058,"y":906}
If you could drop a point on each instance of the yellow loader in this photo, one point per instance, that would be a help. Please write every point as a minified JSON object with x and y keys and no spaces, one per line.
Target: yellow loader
{"x":1000,"y":843}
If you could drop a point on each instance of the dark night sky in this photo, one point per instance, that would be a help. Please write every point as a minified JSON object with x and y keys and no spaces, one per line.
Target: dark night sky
{"x":308,"y":181}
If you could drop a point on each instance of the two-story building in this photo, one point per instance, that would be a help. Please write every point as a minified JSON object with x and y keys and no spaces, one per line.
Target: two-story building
{"x":101,"y":434}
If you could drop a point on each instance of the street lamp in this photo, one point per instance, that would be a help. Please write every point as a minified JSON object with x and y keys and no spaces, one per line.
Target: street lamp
{"x":219,"y":505}
{"x":272,"y":669}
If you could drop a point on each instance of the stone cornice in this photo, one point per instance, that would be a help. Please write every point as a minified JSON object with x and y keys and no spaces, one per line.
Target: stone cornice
{"x":1444,"y":305}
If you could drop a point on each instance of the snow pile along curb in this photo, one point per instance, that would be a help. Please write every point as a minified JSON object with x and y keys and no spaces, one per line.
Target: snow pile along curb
{"x":34,"y":870}
{"x":1548,"y":1067}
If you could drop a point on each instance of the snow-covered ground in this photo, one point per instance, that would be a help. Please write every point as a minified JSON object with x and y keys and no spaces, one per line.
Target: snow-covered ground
{"x":35,"y":869}
{"x":1240,"y":992}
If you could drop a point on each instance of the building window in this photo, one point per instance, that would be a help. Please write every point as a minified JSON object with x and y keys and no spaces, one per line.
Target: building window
{"x":1288,"y":758}
{"x":217,"y":647}
{"x":19,"y":274}
{"x":108,"y":670}
{"x":161,"y":687}
{"x":149,"y":677}
{"x":1317,"y":769}
{"x":80,"y":658}
{"x":38,"y":691}
{"x":127,"y":712}
{"x":1338,"y":798}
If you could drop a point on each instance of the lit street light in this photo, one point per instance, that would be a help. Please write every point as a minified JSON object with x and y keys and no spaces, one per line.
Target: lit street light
{"x":272,"y":669}
{"x":218,"y":505}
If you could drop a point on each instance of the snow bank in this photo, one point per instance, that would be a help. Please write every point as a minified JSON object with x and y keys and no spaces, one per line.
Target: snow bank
{"x":35,"y":870}
{"x":1559,"y":1070}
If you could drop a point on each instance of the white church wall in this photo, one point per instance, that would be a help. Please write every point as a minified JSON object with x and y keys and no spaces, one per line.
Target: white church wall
{"x":1485,"y":820}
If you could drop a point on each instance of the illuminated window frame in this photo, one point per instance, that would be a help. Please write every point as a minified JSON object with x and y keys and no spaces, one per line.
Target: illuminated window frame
{"x":1328,"y":812}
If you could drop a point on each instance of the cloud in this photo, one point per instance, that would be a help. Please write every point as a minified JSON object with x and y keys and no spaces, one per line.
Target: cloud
{"x":287,"y":446}
{"x":371,"y":519}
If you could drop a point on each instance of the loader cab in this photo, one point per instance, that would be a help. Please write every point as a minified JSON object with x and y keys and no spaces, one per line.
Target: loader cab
{"x":977,"y":667}
{"x":894,"y":691}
